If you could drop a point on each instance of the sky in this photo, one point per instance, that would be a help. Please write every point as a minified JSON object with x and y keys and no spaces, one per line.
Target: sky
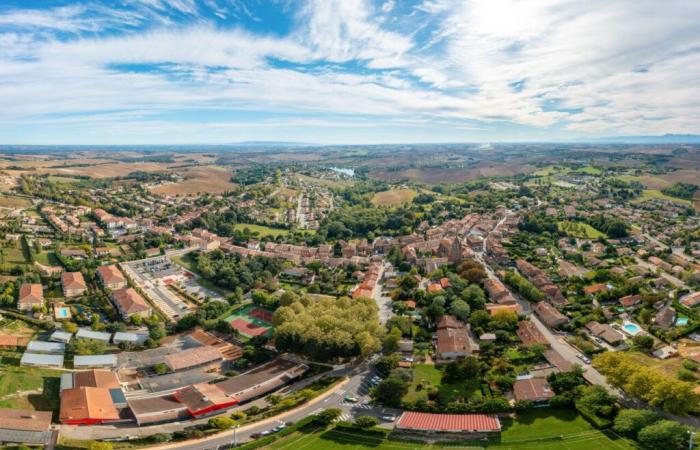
{"x":346,"y":71}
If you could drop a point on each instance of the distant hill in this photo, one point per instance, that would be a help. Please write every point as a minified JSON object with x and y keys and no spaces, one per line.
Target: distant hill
{"x":660,"y":139}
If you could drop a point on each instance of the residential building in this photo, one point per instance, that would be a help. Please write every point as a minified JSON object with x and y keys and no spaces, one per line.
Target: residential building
{"x":31,"y":295}
{"x":130,"y":303}
{"x":111,"y":277}
{"x":73,"y":284}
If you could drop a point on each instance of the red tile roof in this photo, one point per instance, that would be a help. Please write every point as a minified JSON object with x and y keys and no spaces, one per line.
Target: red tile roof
{"x":449,"y":422}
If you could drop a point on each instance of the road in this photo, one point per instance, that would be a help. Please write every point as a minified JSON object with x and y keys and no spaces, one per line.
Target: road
{"x":383,"y":301}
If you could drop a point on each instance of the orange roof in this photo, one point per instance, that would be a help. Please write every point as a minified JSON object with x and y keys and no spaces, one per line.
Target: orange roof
{"x":87,"y":403}
{"x":434,"y":287}
{"x":96,"y":378}
{"x":192,"y":357}
{"x":130,"y":301}
{"x":8,"y":341}
{"x":73,"y":280}
{"x":495,"y":309}
{"x":449,"y":422}
{"x":31,"y":292}
{"x":111,"y":274}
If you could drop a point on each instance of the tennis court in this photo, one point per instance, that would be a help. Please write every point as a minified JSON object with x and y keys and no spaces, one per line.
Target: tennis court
{"x":251,"y":321}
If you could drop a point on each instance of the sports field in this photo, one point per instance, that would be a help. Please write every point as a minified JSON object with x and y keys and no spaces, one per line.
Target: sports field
{"x":251,"y":321}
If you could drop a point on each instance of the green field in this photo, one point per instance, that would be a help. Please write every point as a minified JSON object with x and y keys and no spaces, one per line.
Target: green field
{"x":428,"y":377}
{"x":27,"y":387}
{"x":47,"y":259}
{"x":262,"y":230}
{"x":543,"y":429}
{"x":579,"y":230}
{"x":324,"y":182}
{"x":649,"y":194}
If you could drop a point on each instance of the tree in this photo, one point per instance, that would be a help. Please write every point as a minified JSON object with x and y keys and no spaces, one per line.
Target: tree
{"x":460,"y":309}
{"x":630,"y":421}
{"x":328,"y":416}
{"x":390,"y":391}
{"x":391,"y":341}
{"x":596,"y":400}
{"x":366,"y":422}
{"x":666,"y":434}
{"x":643,"y":342}
{"x":221,"y":422}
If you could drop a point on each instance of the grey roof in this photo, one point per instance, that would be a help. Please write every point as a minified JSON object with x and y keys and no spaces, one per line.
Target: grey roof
{"x":94,"y":360}
{"x":37,"y":359}
{"x":120,"y":336}
{"x":61,"y":336}
{"x":66,"y":381}
{"x":25,"y":437}
{"x":84,"y":333}
{"x":46,"y":347}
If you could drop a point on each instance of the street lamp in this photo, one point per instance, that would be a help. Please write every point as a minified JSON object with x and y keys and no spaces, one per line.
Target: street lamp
{"x":235,"y":440}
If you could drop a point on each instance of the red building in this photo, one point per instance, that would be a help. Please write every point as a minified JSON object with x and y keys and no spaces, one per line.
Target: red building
{"x":201,"y":399}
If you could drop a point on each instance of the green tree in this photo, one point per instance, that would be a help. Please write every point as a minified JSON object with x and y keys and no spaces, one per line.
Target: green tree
{"x":630,"y":421}
{"x":328,"y":416}
{"x":221,"y":422}
{"x":391,"y":341}
{"x":460,"y":309}
{"x":390,"y":391}
{"x":596,"y":400}
{"x":664,"y":434}
{"x":96,"y":445}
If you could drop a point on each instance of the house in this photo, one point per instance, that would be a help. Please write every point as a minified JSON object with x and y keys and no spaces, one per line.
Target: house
{"x":592,"y":290}
{"x":452,"y":427}
{"x":73,"y":284}
{"x":31,"y":295}
{"x":130,"y":303}
{"x":535,"y":390}
{"x":530,"y":335}
{"x":111,"y":277}
{"x":665,"y":318}
{"x":75,"y":253}
{"x":453,"y":339}
{"x":629,"y":301}
{"x":691,"y":300}
{"x":550,"y":315}
{"x":22,"y":426}
{"x":605,"y":332}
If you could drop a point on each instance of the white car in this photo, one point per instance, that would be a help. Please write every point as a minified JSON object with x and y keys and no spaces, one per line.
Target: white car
{"x":388,"y":417}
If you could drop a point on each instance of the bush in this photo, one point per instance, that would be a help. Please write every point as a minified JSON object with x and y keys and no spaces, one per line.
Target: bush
{"x":327,"y":416}
{"x":666,"y":434}
{"x":522,"y":405}
{"x":366,"y":422}
{"x":221,"y":422}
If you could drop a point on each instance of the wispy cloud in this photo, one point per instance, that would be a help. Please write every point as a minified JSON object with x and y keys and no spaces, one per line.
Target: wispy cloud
{"x":463,"y":66}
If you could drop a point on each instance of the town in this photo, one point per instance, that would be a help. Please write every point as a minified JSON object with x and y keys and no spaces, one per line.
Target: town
{"x":302,"y":297}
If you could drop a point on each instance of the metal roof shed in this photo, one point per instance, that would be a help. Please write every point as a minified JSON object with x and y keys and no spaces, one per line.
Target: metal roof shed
{"x":57,"y":348}
{"x":84,"y":333}
{"x":83,"y":361}
{"x":39,"y":360}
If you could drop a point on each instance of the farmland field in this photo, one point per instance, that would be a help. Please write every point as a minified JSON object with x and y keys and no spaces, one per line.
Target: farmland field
{"x":543,"y":429}
{"x":212,"y":179}
{"x":324,"y":182}
{"x":8,"y":201}
{"x":393,"y":197}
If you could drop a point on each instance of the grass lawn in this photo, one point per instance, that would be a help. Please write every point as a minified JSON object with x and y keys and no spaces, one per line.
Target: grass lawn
{"x":47,"y":259}
{"x":427,"y":377}
{"x":579,"y":230}
{"x":668,"y":366}
{"x":393,"y":197}
{"x":262,"y":230}
{"x":14,"y":255}
{"x":27,"y":387}
{"x":544,"y":429}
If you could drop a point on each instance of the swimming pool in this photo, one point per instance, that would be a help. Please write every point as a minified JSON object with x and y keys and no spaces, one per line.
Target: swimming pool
{"x":681,"y":321}
{"x":631,"y":328}
{"x":63,"y":312}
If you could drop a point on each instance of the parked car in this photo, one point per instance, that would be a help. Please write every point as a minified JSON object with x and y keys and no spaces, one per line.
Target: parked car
{"x":388,"y":417}
{"x":350,"y":399}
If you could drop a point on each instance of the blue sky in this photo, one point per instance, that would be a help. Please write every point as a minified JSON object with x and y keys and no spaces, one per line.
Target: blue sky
{"x":346,"y":71}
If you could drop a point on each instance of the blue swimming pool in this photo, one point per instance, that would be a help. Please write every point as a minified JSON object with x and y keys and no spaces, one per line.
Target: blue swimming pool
{"x":681,"y":321}
{"x":631,"y":328}
{"x":62,"y":312}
